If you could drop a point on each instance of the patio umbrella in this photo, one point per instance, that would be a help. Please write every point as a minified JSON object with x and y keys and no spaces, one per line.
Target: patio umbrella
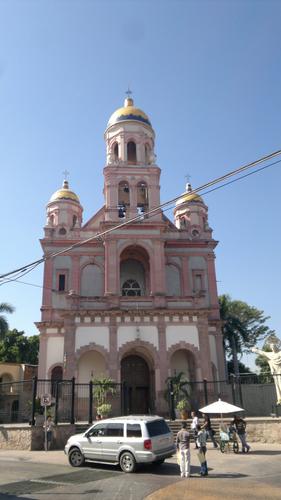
{"x":220,"y":407}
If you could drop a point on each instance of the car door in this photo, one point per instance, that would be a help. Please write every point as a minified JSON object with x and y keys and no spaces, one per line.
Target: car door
{"x":92,"y":442}
{"x":112,"y":441}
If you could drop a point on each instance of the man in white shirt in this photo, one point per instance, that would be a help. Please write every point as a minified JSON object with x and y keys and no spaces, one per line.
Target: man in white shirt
{"x":194,"y":423}
{"x":182,"y":443}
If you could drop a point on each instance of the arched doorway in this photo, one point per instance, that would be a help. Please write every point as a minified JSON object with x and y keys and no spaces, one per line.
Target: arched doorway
{"x":135,"y":374}
{"x":56,"y":377}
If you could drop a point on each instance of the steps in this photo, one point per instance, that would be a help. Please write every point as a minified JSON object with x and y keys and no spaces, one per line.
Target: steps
{"x":175,"y":425}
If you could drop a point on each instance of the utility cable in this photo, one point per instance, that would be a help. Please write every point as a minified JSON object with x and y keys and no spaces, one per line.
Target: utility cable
{"x":146,"y":215}
{"x":165,"y":210}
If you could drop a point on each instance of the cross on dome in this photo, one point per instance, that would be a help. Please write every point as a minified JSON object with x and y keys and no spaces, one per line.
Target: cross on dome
{"x":65,"y":174}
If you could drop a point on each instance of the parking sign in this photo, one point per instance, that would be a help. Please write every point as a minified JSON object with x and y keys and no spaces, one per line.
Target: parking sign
{"x":46,"y":400}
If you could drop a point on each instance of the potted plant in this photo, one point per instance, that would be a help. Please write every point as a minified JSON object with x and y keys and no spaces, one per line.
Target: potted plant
{"x":182,"y":407}
{"x":179,"y":385}
{"x":104,"y":410}
{"x":103,"y":389}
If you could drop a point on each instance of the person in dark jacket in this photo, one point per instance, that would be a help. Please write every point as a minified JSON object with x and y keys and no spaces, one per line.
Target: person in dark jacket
{"x":240,"y":426}
{"x":208,"y":428}
{"x":202,"y":445}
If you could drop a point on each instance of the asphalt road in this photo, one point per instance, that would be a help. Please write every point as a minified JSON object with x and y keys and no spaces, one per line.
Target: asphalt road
{"x":41,"y":475}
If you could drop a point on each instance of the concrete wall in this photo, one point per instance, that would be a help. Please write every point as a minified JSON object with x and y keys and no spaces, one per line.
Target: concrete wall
{"x":24,"y":437}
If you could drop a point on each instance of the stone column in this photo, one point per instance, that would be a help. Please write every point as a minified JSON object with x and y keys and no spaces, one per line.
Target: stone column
{"x":75,"y":278}
{"x":42,"y":372}
{"x":161,"y":372}
{"x":111,"y":268}
{"x":69,"y":362}
{"x":48,"y":283}
{"x":186,"y":278}
{"x":204,"y":347}
{"x":112,"y":364}
{"x":157,"y":268}
{"x":212,"y":280}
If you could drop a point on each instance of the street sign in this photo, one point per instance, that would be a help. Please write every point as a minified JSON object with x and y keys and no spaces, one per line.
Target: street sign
{"x":46,"y":400}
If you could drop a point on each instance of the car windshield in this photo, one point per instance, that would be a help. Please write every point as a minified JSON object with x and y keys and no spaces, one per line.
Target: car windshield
{"x":157,"y":427}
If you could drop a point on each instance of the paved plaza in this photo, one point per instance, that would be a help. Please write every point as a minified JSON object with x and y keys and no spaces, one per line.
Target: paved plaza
{"x":41,"y":475}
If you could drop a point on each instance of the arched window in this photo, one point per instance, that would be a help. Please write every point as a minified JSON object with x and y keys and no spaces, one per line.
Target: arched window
{"x":56,"y":377}
{"x":183,"y":222}
{"x":173,"y":281}
{"x":123,"y":198}
{"x":131,"y":151}
{"x":124,"y":194}
{"x":142,"y":196}
{"x":131,"y":288}
{"x":134,"y":274}
{"x":92,"y":281}
{"x":116,"y":151}
{"x":74,"y":220}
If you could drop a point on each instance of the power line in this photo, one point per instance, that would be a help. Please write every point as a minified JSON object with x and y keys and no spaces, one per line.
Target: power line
{"x":29,"y":267}
{"x":15,"y":279}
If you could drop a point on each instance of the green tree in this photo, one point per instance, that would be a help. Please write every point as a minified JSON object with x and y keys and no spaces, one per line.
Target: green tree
{"x":180,"y":385}
{"x":242,"y":368}
{"x":16,"y":347}
{"x":242,"y":327}
{"x":103,"y":388}
{"x":4,"y":326}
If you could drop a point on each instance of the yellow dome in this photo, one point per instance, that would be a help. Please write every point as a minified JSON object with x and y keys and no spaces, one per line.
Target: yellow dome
{"x":64,"y":194}
{"x":128,"y":112}
{"x":189,"y":196}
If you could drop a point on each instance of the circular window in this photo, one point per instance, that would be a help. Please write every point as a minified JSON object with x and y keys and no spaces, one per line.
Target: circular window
{"x":131,"y":288}
{"x":195,"y":233}
{"x":62,"y":230}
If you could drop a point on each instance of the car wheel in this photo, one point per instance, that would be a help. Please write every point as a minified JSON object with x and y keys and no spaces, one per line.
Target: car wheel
{"x":127,"y":462}
{"x":76,"y":457}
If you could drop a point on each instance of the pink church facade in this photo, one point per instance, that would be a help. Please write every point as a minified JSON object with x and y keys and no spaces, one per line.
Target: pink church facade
{"x":140,"y":303}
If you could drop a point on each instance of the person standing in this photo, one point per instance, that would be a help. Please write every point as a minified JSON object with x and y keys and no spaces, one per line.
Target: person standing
{"x":48,"y":427}
{"x":183,"y":447}
{"x":208,"y":428}
{"x":240,"y":426}
{"x":202,"y":445}
{"x":194,"y":424}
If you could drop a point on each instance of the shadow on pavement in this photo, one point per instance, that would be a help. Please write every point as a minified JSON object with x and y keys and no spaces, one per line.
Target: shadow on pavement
{"x":234,"y":475}
{"x":264,"y":452}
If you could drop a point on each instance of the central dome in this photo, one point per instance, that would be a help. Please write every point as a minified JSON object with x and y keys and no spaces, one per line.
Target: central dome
{"x":127,"y":113}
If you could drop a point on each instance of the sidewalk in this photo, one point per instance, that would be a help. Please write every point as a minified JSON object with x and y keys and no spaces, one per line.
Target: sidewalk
{"x":47,"y":457}
{"x":253,"y":476}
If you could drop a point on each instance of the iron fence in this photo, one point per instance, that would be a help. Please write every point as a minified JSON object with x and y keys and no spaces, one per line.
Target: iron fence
{"x":76,"y":402}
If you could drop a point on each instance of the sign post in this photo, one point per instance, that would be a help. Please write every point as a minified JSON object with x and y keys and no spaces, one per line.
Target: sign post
{"x":46,"y":400}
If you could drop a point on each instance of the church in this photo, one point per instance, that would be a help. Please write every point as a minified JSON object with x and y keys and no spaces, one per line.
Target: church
{"x":139,"y":302}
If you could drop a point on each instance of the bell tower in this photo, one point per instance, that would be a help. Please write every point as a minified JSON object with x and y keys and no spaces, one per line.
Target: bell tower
{"x":131,"y":176}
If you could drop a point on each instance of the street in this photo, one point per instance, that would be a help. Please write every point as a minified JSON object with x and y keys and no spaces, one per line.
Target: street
{"x":37,"y":475}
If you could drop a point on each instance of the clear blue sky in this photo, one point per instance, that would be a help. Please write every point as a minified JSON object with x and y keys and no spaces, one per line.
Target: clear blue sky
{"x":208,"y":75}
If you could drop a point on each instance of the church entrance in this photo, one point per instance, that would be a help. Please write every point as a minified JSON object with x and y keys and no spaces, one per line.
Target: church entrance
{"x":135,"y":374}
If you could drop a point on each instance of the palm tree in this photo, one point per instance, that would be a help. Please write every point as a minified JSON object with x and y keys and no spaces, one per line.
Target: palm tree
{"x":4,"y":326}
{"x":179,"y":383}
{"x":242,"y":327}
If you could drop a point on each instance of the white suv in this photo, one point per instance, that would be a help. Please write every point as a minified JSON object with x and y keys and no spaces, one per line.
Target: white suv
{"x":126,"y":441}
